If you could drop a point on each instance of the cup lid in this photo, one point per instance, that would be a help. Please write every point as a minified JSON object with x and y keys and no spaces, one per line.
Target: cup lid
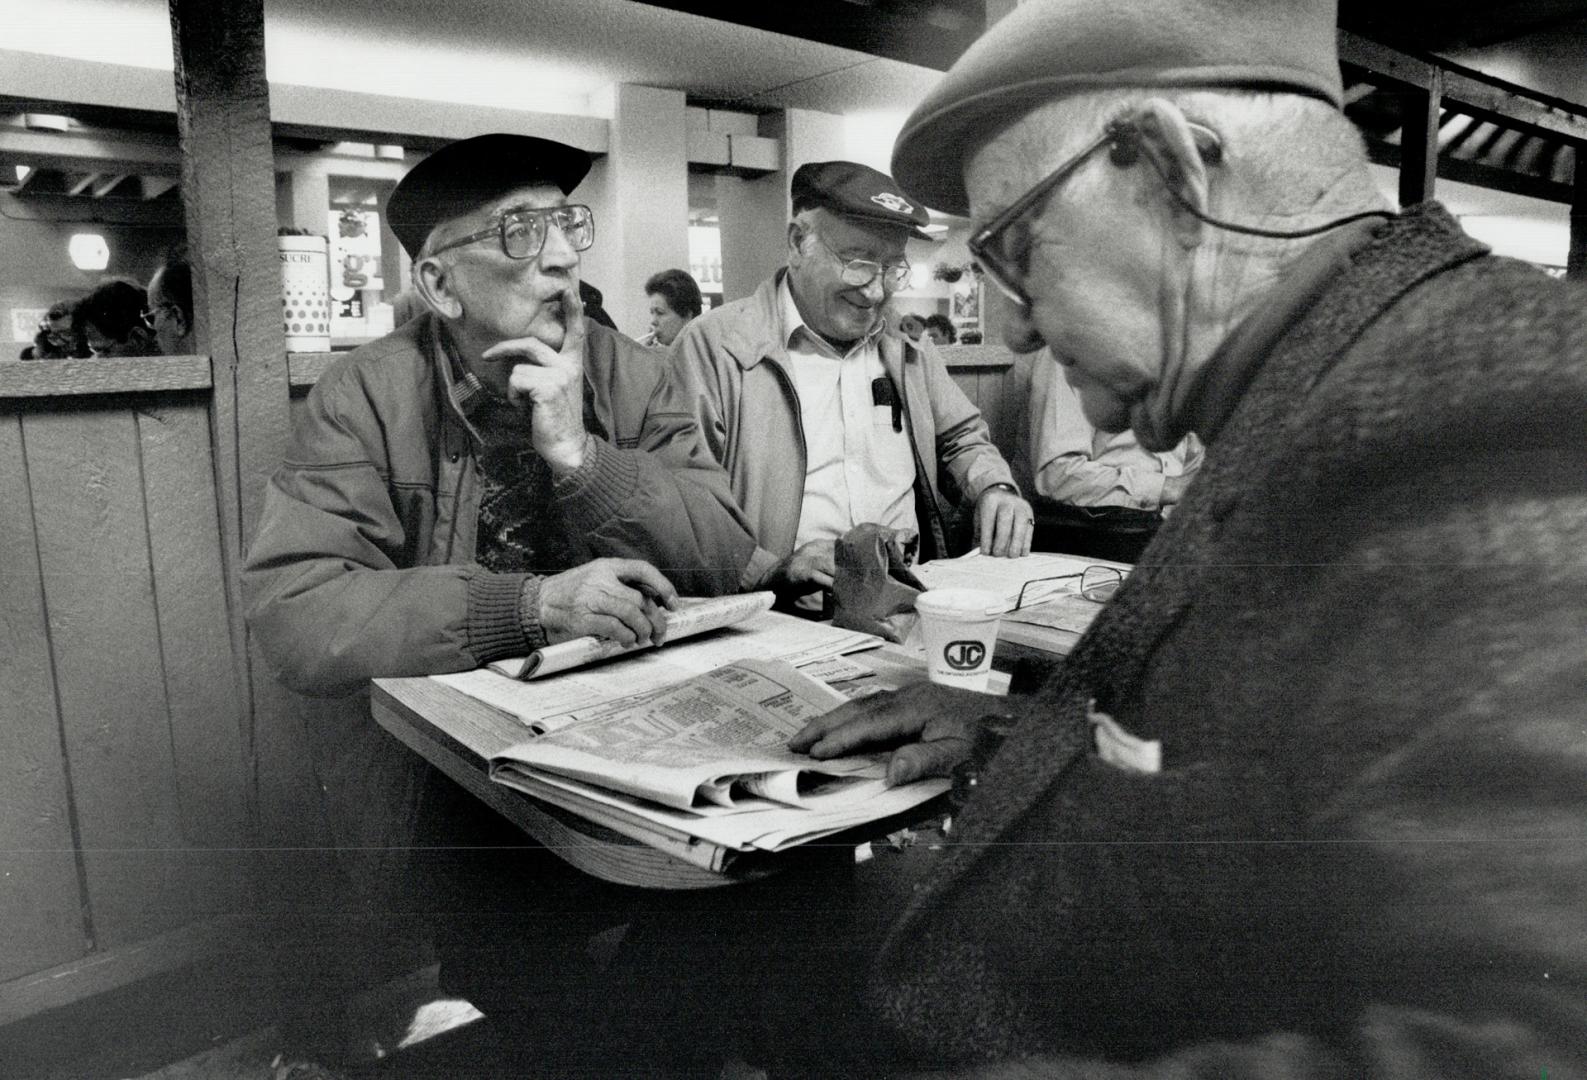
{"x":961,"y":603}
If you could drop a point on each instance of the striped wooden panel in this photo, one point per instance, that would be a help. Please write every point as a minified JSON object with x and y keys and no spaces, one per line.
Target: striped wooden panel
{"x":100,"y":602}
{"x":209,"y":727}
{"x":40,"y":896}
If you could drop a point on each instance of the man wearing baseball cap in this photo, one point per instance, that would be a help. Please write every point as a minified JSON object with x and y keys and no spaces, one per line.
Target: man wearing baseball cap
{"x":825,"y":419}
{"x":496,"y":474}
{"x":1307,"y":800}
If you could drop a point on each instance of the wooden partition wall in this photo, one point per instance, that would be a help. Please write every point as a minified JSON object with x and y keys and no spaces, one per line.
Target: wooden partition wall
{"x":124,"y":743}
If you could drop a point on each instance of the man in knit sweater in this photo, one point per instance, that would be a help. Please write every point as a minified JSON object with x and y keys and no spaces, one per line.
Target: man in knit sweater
{"x":1310,"y":798}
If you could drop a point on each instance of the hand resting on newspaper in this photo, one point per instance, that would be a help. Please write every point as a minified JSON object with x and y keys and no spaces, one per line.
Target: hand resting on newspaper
{"x":933,"y":727}
{"x":622,"y":600}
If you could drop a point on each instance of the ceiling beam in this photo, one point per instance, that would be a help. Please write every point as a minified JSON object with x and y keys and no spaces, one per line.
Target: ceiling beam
{"x":83,"y":153}
{"x":106,"y":185}
{"x":927,"y":33}
{"x":1510,"y":104}
{"x":155,"y":186}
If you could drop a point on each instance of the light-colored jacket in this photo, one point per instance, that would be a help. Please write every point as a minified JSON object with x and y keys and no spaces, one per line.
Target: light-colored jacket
{"x":733,"y":365}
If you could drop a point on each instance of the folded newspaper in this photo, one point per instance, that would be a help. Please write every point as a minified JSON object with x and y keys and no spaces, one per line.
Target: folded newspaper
{"x":693,"y":615}
{"x":707,"y":758}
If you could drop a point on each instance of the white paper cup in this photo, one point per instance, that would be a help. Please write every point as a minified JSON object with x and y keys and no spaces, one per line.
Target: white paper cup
{"x":959,"y":635}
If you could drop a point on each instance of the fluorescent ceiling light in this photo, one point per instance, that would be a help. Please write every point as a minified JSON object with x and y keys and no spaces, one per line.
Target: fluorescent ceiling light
{"x":88,"y":251}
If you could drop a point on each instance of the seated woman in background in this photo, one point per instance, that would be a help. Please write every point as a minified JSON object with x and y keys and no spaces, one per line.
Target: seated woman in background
{"x":674,"y":301}
{"x":110,"y":319}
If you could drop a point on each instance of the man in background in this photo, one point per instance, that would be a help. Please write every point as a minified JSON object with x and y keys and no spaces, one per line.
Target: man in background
{"x":110,"y":321}
{"x":170,"y":304}
{"x":825,"y":419}
{"x":1100,"y":492}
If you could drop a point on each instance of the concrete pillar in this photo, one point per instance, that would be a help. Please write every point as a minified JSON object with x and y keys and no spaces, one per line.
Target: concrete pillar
{"x":640,"y":195}
{"x":754,"y":213}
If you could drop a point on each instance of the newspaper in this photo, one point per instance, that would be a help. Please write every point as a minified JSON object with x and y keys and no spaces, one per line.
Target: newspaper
{"x":709,"y":758}
{"x":693,"y":615}
{"x":548,"y":703}
{"x":1005,"y":577}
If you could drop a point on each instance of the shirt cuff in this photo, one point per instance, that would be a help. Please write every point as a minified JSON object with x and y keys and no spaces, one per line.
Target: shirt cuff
{"x":494,"y":626}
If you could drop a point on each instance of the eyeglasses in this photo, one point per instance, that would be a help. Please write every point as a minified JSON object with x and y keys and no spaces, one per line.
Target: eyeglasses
{"x":522,"y":230}
{"x":1004,"y":251}
{"x":1097,"y":584}
{"x":148,"y":314}
{"x":861,"y":272}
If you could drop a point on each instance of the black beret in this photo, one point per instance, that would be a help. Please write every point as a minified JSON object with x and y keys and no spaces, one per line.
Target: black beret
{"x":467,"y":174}
{"x":856,"y":191}
{"x":1044,"y":50}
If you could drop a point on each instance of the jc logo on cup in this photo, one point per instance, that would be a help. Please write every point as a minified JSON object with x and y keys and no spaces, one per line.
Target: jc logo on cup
{"x":964,"y":655}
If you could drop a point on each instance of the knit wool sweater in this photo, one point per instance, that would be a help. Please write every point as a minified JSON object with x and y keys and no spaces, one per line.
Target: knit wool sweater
{"x":1360,"y":640}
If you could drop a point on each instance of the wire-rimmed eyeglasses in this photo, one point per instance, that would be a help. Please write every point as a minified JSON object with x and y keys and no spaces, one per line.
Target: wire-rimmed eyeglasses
{"x":522,"y":230}
{"x":861,"y":272}
{"x":151,"y":313}
{"x":1002,"y":250}
{"x":1097,"y":584}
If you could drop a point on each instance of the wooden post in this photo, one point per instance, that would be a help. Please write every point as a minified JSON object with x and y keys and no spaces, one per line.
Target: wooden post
{"x":1419,"y":142}
{"x":223,"y":119}
{"x":1576,"y":261}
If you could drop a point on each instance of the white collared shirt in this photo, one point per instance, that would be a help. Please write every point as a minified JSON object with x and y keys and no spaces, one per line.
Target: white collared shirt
{"x":857,"y":467}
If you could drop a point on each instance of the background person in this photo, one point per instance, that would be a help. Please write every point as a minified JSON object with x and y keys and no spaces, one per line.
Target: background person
{"x":1098,"y":493}
{"x":110,"y":320}
{"x":1307,"y":798}
{"x":170,"y":309}
{"x":824,"y":419}
{"x":940,"y":328}
{"x":674,"y":300}
{"x":56,"y":339}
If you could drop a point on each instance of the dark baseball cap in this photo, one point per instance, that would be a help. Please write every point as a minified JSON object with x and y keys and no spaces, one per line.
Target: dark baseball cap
{"x":856,"y":191}
{"x":467,"y":174}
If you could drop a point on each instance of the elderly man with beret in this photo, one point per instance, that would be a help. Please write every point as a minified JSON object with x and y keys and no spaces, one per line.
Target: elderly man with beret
{"x":825,"y":418}
{"x":1310,"y":797}
{"x":449,"y":488}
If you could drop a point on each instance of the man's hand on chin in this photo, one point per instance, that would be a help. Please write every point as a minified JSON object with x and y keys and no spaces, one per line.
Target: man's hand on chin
{"x":552,"y":382}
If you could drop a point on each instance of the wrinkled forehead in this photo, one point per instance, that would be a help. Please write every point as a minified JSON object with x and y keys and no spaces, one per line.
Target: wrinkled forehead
{"x":533,"y":196}
{"x":1010,"y":159}
{"x":859,"y":239}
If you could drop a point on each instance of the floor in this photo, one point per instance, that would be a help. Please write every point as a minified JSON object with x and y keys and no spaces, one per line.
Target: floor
{"x":214,"y":1025}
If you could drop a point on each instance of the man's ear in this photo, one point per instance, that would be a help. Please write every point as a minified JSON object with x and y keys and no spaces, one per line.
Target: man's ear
{"x":1169,"y":141}
{"x":796,"y":238}
{"x":432,"y":280}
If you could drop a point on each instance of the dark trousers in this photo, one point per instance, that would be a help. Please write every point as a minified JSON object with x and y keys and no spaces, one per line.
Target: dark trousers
{"x":697,"y":973}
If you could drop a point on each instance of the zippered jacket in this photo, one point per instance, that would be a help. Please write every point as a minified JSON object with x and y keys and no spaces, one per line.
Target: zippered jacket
{"x":363,"y":563}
